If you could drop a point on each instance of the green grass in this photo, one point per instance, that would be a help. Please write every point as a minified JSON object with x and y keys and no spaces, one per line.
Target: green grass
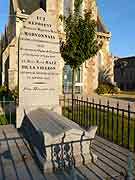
{"x":127,"y":92}
{"x":11,"y":118}
{"x":107,"y":123}
{"x":3,"y":120}
{"x":7,"y":119}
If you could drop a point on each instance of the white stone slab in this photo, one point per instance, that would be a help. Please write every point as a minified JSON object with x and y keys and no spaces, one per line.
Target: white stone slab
{"x":54,"y":126}
{"x":39,"y":64}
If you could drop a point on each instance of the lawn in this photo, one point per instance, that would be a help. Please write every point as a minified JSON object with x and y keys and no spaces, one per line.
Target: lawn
{"x":8,"y":119}
{"x":113,"y":125}
{"x":127,"y":92}
{"x":8,"y":115}
{"x":3,"y":120}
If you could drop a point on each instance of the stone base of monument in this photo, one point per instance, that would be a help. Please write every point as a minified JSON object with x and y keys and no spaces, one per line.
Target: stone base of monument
{"x":57,"y":142}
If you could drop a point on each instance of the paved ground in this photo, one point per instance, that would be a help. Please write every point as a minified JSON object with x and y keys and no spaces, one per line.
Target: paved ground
{"x":18,"y":163}
{"x":113,"y":100}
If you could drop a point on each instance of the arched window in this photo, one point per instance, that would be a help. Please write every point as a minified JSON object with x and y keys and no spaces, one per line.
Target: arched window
{"x":100,"y":60}
{"x":67,"y":7}
{"x":67,"y":78}
{"x":102,"y":76}
{"x":67,"y":74}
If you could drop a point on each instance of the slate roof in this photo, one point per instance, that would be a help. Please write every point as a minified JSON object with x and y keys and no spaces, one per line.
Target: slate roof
{"x":128,"y":61}
{"x":100,"y":25}
{"x":127,"y":58}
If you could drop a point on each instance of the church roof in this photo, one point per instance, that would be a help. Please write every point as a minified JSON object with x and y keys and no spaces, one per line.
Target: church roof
{"x":130,"y":58}
{"x":126,"y":61}
{"x":29,"y":6}
{"x":100,"y":25}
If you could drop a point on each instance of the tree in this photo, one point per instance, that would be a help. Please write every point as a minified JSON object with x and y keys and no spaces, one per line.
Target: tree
{"x":80,"y":42}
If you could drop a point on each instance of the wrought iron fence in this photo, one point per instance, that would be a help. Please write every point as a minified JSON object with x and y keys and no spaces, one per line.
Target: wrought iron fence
{"x":7,"y":112}
{"x":67,"y":89}
{"x":114,"y":123}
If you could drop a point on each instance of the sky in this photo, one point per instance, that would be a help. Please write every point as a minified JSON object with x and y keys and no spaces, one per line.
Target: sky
{"x":4,"y":6}
{"x":119,"y":18}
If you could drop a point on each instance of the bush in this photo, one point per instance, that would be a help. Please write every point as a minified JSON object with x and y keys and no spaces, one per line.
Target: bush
{"x":114,"y":89}
{"x":107,"y":88}
{"x":3,"y":91}
{"x":102,"y":89}
{"x":14,"y":93}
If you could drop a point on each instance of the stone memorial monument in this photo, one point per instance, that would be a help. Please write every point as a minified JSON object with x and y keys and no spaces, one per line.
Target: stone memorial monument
{"x":57,"y":141}
{"x":40,"y":65}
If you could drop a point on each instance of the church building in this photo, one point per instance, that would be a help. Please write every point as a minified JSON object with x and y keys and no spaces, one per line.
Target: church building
{"x":89,"y":74}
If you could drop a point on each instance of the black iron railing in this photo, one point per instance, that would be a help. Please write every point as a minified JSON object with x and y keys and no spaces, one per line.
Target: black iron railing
{"x":114,"y":123}
{"x":7,"y":112}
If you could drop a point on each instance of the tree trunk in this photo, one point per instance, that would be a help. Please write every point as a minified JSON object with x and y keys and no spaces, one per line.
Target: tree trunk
{"x":73,"y":78}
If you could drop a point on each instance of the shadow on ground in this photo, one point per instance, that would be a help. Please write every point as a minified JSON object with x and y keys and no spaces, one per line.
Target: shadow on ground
{"x":17,"y":161}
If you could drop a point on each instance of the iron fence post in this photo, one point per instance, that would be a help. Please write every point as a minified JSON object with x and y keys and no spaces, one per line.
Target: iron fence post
{"x":79,"y":112}
{"x":108,"y":104}
{"x":68,"y":108}
{"x":87,"y":114}
{"x":134,"y":133}
{"x":82,"y":111}
{"x":128,"y":126}
{"x":112,"y":123}
{"x":99,"y":117}
{"x":117,"y":125}
{"x":93,"y":111}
